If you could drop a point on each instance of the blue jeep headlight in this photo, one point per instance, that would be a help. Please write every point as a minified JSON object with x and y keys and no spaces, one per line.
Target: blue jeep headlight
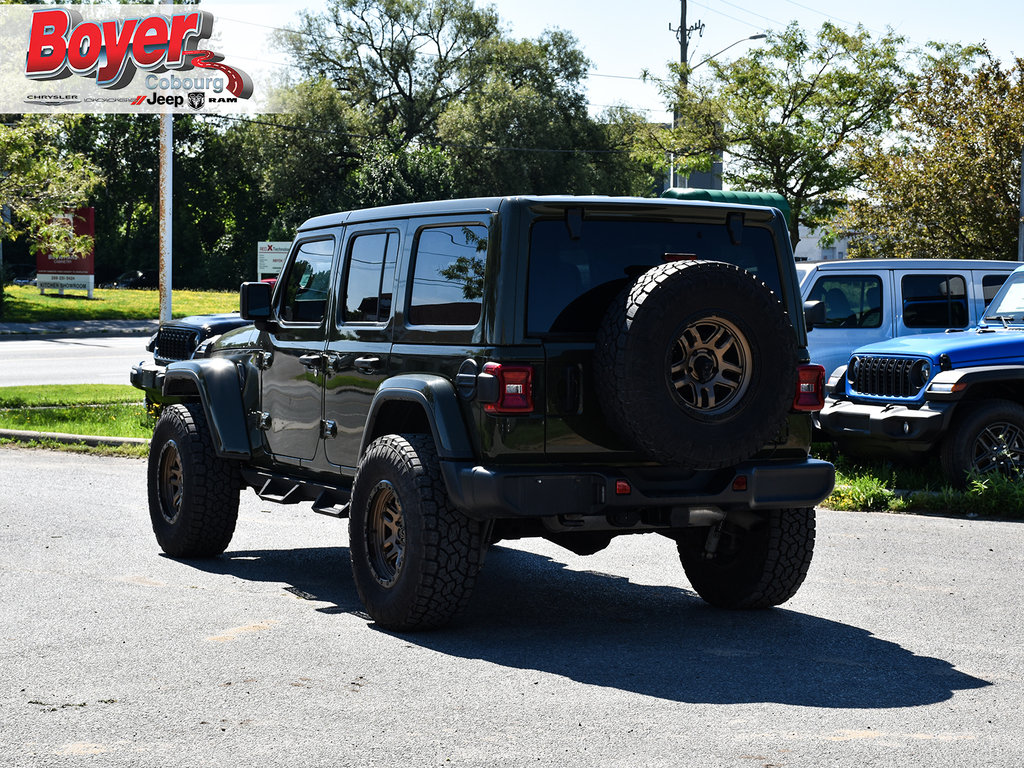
{"x":920,"y":373}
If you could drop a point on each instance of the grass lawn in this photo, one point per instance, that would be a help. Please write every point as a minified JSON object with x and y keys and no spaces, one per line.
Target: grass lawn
{"x":24,"y":304}
{"x":108,"y":410}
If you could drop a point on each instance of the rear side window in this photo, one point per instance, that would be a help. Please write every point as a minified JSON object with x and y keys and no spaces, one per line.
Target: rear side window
{"x":574,"y":278}
{"x":851,"y":301}
{"x":308,"y":280}
{"x":934,"y":301}
{"x":448,"y":275}
{"x":370,"y":278}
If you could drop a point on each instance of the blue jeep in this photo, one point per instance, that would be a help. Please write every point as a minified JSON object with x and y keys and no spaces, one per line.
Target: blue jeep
{"x":961,"y":392}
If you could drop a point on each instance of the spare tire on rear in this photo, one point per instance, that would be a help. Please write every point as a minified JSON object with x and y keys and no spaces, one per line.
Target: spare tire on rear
{"x":696,"y":364}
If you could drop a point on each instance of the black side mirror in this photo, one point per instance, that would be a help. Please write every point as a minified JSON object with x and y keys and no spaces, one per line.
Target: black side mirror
{"x":814,"y":314}
{"x":254,"y":301}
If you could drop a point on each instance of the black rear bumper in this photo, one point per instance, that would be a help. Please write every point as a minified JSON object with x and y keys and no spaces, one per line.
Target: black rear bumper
{"x":487,"y":493}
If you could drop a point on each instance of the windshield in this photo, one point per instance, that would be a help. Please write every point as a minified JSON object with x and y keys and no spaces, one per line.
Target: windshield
{"x":1008,"y":304}
{"x":573,"y":279}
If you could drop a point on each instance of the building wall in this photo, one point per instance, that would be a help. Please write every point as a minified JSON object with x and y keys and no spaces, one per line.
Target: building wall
{"x":810,"y":248}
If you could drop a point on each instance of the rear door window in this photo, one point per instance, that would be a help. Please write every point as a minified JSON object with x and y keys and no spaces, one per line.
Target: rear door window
{"x":369,"y":278}
{"x":934,"y":301}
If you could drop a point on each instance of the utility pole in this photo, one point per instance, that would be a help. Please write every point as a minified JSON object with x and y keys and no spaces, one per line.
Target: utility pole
{"x":166,"y":197}
{"x":683,"y":33}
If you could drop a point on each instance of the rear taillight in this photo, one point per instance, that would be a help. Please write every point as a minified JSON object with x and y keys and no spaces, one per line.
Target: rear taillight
{"x":514,"y":390}
{"x":810,"y":388}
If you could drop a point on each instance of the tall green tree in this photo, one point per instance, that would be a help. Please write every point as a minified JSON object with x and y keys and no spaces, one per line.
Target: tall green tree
{"x":948,"y":185}
{"x":399,"y":62}
{"x":525,"y":127}
{"x":39,"y":180}
{"x":791,"y":114}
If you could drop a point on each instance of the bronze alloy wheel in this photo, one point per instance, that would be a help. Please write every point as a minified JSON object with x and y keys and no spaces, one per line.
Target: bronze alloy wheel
{"x":385,"y":534}
{"x":999,"y":448}
{"x":710,"y":365}
{"x":172,"y":482}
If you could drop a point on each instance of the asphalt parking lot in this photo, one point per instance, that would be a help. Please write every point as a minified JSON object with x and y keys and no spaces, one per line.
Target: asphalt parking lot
{"x":903,"y":647}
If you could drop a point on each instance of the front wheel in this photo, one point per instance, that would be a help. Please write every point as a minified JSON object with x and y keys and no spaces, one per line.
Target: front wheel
{"x":193,"y":493}
{"x":415,"y":557}
{"x":987,"y":437}
{"x":756,"y":565}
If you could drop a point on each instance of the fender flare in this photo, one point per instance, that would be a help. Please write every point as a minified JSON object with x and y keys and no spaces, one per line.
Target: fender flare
{"x":439,"y":401}
{"x":216,"y":382}
{"x":953,"y":384}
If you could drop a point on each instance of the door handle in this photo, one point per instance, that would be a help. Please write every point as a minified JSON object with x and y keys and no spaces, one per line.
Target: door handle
{"x":367,"y":364}
{"x":313,"y":362}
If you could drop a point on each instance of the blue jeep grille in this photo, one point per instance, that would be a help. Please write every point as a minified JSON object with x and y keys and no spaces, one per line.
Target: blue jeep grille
{"x":887,"y":376}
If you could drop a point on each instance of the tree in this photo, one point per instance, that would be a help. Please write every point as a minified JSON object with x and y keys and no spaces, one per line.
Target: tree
{"x":949,"y":184}
{"x":39,"y":181}
{"x":793,"y":112}
{"x":399,"y":61}
{"x":525,"y":127}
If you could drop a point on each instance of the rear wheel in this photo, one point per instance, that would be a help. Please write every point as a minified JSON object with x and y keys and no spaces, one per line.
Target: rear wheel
{"x":986,"y":438}
{"x":193,"y":493}
{"x":415,"y":557}
{"x":750,"y":566}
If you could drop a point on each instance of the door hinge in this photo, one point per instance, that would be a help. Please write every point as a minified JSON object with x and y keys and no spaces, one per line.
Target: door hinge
{"x":263,"y":360}
{"x":328,"y":428}
{"x":263,"y":420}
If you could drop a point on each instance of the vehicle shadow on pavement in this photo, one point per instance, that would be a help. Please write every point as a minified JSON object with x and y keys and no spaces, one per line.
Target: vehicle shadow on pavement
{"x":530,"y":611}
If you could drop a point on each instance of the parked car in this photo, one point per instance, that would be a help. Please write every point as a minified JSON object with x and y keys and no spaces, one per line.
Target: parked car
{"x":960,"y":392}
{"x":19,"y":274}
{"x":869,"y":300}
{"x":453,"y":373}
{"x":183,"y":338}
{"x":136,"y":278}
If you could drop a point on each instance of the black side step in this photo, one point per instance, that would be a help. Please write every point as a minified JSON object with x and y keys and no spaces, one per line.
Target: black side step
{"x":327,"y":499}
{"x":330,"y":503}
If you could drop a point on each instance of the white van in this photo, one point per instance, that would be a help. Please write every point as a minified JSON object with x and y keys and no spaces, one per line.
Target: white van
{"x":868,"y":300}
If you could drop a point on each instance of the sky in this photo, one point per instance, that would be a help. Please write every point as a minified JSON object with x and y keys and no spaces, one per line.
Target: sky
{"x":623,"y":39}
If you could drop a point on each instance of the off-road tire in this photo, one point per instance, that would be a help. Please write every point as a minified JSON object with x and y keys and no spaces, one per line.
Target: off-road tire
{"x":193,"y":493}
{"x":984,"y":437}
{"x":415,"y":557}
{"x":696,"y":364}
{"x":752,"y":567}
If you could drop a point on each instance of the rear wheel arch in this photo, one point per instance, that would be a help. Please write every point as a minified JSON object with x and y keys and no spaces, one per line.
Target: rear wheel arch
{"x":419,"y":404}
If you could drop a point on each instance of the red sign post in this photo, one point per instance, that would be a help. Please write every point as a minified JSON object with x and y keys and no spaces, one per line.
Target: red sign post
{"x":64,"y":271}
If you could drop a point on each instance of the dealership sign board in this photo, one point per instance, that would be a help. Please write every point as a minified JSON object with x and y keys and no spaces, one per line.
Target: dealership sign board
{"x":68,"y":271}
{"x":270,"y":256}
{"x":123,"y":58}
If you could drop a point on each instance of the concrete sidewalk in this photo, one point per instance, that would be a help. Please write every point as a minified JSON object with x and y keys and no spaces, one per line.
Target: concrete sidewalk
{"x":79,"y":328}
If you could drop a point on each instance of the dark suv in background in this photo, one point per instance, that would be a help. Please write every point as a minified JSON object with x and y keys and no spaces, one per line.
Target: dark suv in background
{"x":450,"y":374}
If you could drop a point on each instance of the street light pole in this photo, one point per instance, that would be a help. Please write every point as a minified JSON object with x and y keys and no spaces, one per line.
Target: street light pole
{"x":1020,"y":223}
{"x":760,"y":36}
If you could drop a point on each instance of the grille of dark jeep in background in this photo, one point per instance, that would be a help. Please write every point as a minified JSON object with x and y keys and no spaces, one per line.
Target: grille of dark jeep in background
{"x":887,"y":376}
{"x":175,"y":344}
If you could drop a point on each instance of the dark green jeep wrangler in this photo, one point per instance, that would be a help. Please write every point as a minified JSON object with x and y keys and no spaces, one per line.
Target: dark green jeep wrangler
{"x":451,"y":374}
